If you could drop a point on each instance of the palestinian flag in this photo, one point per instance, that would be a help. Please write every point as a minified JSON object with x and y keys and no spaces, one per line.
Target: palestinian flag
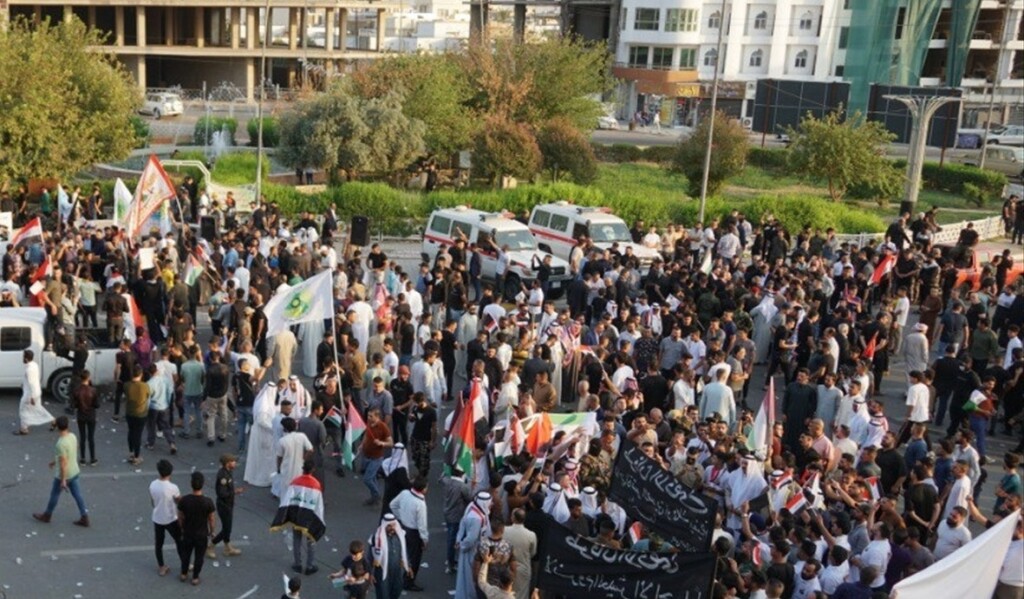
{"x":540,"y":428}
{"x":513,"y":440}
{"x":302,"y":508}
{"x":193,"y":270}
{"x":872,"y":482}
{"x":354,"y":429}
{"x":462,"y":437}
{"x":333,"y":417}
{"x":636,"y":531}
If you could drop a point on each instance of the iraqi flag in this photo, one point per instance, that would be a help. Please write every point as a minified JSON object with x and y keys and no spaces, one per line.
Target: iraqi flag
{"x":302,"y":508}
{"x":876,"y":493}
{"x":354,"y":429}
{"x":797,"y":503}
{"x":636,"y":532}
{"x":760,"y":440}
{"x":135,"y":317}
{"x":32,"y":230}
{"x":883,"y":268}
{"x":869,"y":348}
{"x":152,"y":197}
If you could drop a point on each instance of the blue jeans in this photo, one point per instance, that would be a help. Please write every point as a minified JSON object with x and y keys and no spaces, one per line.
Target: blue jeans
{"x":979,"y":426}
{"x":453,"y":534}
{"x":193,"y":406}
{"x":76,"y":492}
{"x":370,"y":470}
{"x":244,"y":416}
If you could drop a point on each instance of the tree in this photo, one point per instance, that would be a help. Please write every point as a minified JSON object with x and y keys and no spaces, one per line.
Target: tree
{"x":433,"y":89}
{"x":533,"y":83}
{"x":844,"y":153}
{"x":505,"y":148}
{"x":565,"y":149}
{"x":728,"y":154}
{"x":337,"y":130}
{"x":63,"y":105}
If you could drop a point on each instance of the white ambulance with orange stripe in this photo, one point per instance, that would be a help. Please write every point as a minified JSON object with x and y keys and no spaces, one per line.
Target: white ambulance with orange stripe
{"x":559,"y":226}
{"x":491,"y":231}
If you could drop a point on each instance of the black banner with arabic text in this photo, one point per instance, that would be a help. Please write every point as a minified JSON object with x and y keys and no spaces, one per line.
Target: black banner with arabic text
{"x":578,"y":568}
{"x":683,"y":517}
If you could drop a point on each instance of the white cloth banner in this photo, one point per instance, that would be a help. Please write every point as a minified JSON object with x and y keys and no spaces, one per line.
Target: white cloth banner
{"x":147,"y":258}
{"x":971,"y":571}
{"x":311,"y":299}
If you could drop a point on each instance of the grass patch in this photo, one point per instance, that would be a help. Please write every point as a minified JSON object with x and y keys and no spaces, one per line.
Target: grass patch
{"x":761,"y":179}
{"x":641,"y":181}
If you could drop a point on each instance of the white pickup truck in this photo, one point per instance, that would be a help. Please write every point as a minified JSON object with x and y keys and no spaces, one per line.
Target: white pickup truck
{"x":25,"y":328}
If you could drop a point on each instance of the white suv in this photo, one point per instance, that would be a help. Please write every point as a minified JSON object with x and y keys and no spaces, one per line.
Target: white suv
{"x":491,"y":231}
{"x":558,"y":227}
{"x":162,"y":104}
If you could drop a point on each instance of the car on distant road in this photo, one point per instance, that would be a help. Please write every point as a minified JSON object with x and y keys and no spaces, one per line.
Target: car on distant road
{"x":162,"y":104}
{"x":607,"y":122}
{"x":1006,"y":135}
{"x":1008,"y":160}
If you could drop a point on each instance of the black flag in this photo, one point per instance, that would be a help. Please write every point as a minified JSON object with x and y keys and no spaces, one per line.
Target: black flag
{"x":650,"y":494}
{"x":577,"y":567}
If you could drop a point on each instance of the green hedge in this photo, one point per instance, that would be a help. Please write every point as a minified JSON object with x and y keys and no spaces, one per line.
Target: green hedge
{"x":796,"y":211}
{"x":271,"y":132}
{"x":217,"y":123}
{"x":768,"y":158}
{"x":986,"y":185}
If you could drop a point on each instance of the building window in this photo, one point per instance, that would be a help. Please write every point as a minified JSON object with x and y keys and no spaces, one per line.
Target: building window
{"x":646,"y":19}
{"x":840,"y":69}
{"x":715,"y":20}
{"x":844,"y":37}
{"x":661,"y":58}
{"x":901,"y":20}
{"x":711,"y":58}
{"x":761,"y":20}
{"x":801,"y":60}
{"x":687,"y":58}
{"x":807,"y":22}
{"x":681,"y":19}
{"x":622,"y":19}
{"x":638,"y":56}
{"x":846,"y":4}
{"x":756,"y":58}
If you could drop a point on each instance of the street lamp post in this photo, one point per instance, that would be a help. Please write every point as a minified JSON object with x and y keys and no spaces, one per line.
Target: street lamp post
{"x":921,"y":109}
{"x":259,"y":103}
{"x":711,"y":117}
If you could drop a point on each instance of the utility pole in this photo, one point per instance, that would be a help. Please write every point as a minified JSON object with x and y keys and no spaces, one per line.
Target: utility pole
{"x":988,"y":122}
{"x":711,"y":121}
{"x":259,"y":104}
{"x":921,"y":109}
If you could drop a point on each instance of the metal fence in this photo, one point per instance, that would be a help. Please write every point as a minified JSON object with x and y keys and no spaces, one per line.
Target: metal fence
{"x":987,"y":228}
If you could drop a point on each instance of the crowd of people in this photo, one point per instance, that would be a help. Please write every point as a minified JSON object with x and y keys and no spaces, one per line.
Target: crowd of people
{"x":672,"y":359}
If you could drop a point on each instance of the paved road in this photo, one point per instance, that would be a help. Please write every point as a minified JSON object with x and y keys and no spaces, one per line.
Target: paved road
{"x":114,"y":558}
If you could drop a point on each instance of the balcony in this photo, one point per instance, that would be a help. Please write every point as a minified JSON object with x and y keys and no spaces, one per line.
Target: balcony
{"x":666,"y":81}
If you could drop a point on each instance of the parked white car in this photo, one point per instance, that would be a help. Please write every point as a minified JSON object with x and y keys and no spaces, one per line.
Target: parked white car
{"x":607,"y":122}
{"x":25,"y":328}
{"x":558,"y":227}
{"x":1005,"y":135}
{"x":162,"y":104}
{"x":490,"y":231}
{"x":1008,"y":160}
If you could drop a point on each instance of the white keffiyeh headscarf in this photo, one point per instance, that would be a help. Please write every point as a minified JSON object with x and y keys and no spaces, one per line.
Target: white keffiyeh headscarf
{"x":555,"y":505}
{"x":300,"y":398}
{"x":399,"y":458}
{"x":379,"y":543}
{"x":589,"y":500}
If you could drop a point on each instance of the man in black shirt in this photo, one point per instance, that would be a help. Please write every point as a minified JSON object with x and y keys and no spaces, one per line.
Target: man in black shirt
{"x":401,"y":395}
{"x":894,"y":467}
{"x":798,"y":406}
{"x":195,"y":517}
{"x":947,"y":369}
{"x":424,"y":433}
{"x":226,"y":491}
{"x":218,"y":379}
{"x":782,"y":570}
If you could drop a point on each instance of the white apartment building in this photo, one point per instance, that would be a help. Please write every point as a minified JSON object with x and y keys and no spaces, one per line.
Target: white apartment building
{"x":666,"y":52}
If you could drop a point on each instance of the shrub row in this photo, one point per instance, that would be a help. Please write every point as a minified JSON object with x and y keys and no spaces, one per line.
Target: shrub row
{"x":619,"y":153}
{"x":271,"y":132}
{"x":399,"y":212}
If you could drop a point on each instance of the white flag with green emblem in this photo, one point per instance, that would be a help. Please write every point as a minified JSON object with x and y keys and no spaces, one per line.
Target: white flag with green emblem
{"x":310,"y":300}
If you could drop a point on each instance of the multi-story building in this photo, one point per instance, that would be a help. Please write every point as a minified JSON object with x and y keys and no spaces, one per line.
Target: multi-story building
{"x":976,"y":45}
{"x":667,"y":54}
{"x":189,"y":42}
